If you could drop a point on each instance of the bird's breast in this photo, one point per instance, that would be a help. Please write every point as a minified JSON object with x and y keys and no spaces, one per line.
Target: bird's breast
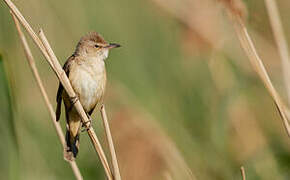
{"x":89,"y":81}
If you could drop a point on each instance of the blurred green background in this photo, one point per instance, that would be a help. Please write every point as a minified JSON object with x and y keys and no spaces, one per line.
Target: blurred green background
{"x":180,"y":91}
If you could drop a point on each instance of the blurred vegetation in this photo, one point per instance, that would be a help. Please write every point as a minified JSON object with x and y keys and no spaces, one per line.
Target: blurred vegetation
{"x":7,"y":129}
{"x":192,"y":82}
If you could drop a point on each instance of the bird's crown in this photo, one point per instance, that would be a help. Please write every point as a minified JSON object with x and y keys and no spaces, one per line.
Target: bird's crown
{"x":93,"y":36}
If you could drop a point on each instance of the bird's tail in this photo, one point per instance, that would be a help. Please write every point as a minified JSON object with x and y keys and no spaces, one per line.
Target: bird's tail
{"x":72,"y":146}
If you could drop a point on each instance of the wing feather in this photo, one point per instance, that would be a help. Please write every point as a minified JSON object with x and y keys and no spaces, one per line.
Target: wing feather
{"x":66,"y":68}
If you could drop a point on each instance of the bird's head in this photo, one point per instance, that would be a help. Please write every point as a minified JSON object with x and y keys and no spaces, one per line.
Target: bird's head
{"x":94,"y":45}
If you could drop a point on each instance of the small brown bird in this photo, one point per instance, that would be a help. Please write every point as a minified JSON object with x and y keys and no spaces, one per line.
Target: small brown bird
{"x":87,"y":74}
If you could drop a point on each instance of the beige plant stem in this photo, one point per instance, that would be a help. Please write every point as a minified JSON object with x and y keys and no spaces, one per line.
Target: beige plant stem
{"x":116,"y":170}
{"x":243,"y":173}
{"x":67,"y":86}
{"x":33,"y":67}
{"x":250,"y":50}
{"x":52,"y":60}
{"x":281,"y":42}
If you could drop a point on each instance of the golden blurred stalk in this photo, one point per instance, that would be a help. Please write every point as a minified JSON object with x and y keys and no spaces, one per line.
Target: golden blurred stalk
{"x":281,"y":42}
{"x":250,"y":50}
{"x":33,"y":67}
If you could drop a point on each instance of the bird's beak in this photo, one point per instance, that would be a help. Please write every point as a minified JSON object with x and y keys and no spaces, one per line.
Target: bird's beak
{"x":113,"y":45}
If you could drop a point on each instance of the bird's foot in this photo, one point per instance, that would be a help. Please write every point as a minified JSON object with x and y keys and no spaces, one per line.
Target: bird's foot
{"x":87,"y":125}
{"x":68,"y":155}
{"x":73,"y":100}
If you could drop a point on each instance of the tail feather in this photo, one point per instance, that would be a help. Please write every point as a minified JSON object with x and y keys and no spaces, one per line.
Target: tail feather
{"x":58,"y":111}
{"x":72,"y":134}
{"x":72,"y":143}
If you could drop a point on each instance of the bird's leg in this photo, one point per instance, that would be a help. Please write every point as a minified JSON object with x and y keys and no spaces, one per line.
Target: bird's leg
{"x":85,"y":128}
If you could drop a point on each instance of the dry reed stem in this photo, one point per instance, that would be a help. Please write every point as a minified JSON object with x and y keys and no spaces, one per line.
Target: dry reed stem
{"x":116,"y":170}
{"x":243,"y":173}
{"x":33,"y":67}
{"x":86,"y":122}
{"x":53,"y":62}
{"x":250,"y":50}
{"x":281,"y":42}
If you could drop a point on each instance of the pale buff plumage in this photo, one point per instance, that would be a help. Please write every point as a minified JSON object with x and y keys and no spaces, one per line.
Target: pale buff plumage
{"x":88,"y":79}
{"x":87,"y":74}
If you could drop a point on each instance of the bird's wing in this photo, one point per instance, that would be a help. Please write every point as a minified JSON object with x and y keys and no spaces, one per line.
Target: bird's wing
{"x":66,"y":68}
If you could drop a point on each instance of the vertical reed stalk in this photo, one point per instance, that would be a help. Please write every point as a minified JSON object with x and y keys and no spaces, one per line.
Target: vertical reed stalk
{"x":116,"y":170}
{"x":49,"y":106}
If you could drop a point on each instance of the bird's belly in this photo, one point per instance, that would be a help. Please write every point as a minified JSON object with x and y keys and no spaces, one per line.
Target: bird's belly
{"x":89,"y":87}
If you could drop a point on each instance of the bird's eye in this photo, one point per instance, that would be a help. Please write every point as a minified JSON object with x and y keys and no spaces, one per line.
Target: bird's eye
{"x":97,"y":46}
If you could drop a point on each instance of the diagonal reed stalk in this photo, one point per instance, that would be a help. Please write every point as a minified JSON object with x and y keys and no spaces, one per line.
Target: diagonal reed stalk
{"x":250,"y":50}
{"x":49,"y":106}
{"x":281,"y":42}
{"x":243,"y":173}
{"x":116,"y":170}
{"x":54,"y":64}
